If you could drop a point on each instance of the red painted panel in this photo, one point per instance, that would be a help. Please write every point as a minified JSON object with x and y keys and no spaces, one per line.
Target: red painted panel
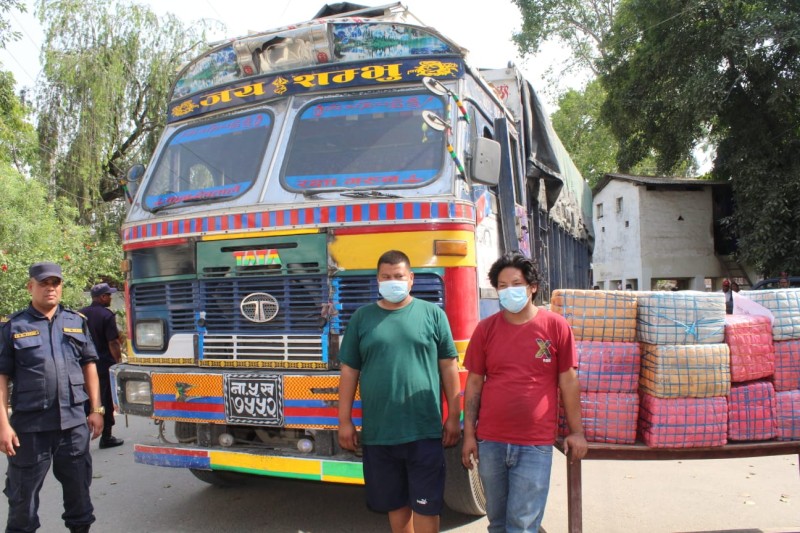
{"x":461,"y":300}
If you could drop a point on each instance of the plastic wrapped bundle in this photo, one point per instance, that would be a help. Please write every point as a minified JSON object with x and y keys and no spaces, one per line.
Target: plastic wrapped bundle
{"x":685,"y":371}
{"x":787,"y":365}
{"x":608,"y":366}
{"x":784,"y":304}
{"x":787,"y":420}
{"x":750,"y":341}
{"x":683,"y":422}
{"x":594,"y":315}
{"x":683,"y":317}
{"x":606,"y":416}
{"x":751,"y":411}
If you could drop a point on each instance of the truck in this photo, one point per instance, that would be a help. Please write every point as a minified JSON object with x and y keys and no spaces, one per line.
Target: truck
{"x":290,"y":161}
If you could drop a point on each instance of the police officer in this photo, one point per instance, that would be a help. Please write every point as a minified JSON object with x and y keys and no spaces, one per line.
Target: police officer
{"x":48,"y":354}
{"x":103,"y":327}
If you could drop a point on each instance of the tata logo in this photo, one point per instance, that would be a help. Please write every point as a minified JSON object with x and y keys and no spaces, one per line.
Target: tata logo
{"x":259,"y":307}
{"x":257,"y":257}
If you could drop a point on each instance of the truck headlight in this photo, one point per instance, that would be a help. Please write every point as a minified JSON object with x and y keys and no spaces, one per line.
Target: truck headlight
{"x":150,"y":334}
{"x":138,"y":392}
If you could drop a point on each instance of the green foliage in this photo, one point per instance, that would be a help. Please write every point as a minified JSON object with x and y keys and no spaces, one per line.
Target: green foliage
{"x":6,"y":33}
{"x":18,"y":144}
{"x":679,"y":71}
{"x":108,"y":69}
{"x":580,"y":25}
{"x":33,"y":230}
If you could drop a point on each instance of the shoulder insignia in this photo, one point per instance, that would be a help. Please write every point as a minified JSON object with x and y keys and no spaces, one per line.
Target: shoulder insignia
{"x":23,"y":334}
{"x":3,"y":319}
{"x":80,"y":315}
{"x":73,"y":330}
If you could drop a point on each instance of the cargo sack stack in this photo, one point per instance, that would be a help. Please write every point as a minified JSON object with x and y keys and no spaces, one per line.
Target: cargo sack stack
{"x":685,"y":373}
{"x":751,"y":404}
{"x":604,"y":325}
{"x":751,"y":411}
{"x":784,"y":304}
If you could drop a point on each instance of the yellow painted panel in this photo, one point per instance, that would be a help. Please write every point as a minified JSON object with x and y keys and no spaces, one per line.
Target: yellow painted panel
{"x":339,"y":479}
{"x":255,"y":234}
{"x":358,"y":252}
{"x":272,"y":464}
{"x":191,"y":384}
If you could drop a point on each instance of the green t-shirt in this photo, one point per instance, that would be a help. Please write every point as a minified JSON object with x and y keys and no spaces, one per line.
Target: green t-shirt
{"x":397,"y":353}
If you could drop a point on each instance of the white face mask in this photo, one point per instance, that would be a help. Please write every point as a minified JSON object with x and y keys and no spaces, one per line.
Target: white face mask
{"x":514,"y":299}
{"x":394,"y":291}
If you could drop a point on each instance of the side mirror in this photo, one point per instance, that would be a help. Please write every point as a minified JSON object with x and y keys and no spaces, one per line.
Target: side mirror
{"x":485,"y":167}
{"x":134,"y":174}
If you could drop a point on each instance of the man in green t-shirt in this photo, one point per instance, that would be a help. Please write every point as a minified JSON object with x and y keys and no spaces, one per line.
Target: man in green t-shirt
{"x":399,"y":350}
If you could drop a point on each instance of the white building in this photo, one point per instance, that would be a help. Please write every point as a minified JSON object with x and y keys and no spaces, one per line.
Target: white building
{"x":649,"y":229}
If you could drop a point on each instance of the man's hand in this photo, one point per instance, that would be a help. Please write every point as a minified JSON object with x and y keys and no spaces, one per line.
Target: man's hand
{"x":95,"y":421}
{"x":8,"y":441}
{"x":348,"y":438}
{"x":452,"y":432}
{"x":469,"y":452}
{"x":575,"y":447}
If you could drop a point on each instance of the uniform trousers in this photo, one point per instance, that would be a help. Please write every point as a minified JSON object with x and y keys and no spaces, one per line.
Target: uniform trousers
{"x":68,"y":451}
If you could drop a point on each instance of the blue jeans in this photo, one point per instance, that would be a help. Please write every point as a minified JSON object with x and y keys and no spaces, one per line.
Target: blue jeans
{"x":516,"y":480}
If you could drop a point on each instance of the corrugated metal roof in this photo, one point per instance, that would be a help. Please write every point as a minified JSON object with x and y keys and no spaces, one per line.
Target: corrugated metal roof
{"x":664,"y":181}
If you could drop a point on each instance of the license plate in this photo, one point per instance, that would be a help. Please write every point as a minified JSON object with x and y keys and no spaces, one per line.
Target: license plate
{"x":254,"y":399}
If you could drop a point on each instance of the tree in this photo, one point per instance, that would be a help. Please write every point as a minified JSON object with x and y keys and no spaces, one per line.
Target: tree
{"x":581,"y":25}
{"x":108,"y":69}
{"x":18,"y":144}
{"x":6,"y":33}
{"x":33,"y":229}
{"x":679,"y":71}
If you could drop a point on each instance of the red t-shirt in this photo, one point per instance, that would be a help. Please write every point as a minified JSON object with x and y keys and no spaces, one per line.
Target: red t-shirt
{"x":521,"y":364}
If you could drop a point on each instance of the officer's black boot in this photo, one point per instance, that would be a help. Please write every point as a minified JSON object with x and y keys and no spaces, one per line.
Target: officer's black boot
{"x":79,"y":529}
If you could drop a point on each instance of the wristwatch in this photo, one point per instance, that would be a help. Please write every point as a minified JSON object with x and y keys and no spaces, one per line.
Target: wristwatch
{"x":100,"y":410}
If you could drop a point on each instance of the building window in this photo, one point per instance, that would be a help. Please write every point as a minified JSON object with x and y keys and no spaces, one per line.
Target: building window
{"x":627,"y":223}
{"x":619,"y":204}
{"x":599,"y":210}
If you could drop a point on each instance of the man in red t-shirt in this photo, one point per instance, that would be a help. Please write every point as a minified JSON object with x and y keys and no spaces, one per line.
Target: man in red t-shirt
{"x":518,"y":359}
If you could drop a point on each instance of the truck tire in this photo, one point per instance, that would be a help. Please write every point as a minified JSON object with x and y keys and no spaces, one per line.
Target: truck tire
{"x":219,"y":478}
{"x":463,"y":491}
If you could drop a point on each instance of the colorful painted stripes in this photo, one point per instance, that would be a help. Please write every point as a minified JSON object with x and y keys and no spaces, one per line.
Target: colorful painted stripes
{"x":308,"y":216}
{"x":310,"y":468}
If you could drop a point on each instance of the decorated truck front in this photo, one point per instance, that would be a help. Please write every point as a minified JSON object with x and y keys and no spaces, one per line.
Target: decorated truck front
{"x":292,"y":159}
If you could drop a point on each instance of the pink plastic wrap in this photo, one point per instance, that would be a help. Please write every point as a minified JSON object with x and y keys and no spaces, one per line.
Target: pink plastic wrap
{"x":608,"y":366}
{"x":606,"y":416}
{"x":788,"y":418}
{"x":750,"y":341}
{"x":751,"y":411}
{"x":683,"y":422}
{"x":787,"y":365}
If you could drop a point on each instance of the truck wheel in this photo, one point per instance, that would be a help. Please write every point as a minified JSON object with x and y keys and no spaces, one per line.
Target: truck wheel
{"x":463,"y":491}
{"x":218,"y":478}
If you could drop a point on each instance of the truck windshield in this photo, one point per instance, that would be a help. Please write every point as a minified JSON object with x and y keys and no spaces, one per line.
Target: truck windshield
{"x":210,"y":162}
{"x":370,"y":143}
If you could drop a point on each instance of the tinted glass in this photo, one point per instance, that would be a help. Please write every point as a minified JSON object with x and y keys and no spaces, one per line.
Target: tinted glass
{"x":211,"y":162}
{"x":369,"y":143}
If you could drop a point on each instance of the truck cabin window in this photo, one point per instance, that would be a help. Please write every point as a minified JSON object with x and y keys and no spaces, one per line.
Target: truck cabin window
{"x":370,"y":143}
{"x":210,"y":162}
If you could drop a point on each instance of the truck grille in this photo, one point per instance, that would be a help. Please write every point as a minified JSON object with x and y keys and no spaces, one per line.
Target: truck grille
{"x":286,"y":348}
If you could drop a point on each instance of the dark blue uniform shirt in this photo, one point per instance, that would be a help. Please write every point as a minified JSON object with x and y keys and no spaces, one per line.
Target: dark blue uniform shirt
{"x":44,"y":359}
{"x":103,"y":327}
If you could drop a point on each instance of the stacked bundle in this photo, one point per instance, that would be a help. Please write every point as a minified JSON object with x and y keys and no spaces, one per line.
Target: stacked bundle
{"x":785,"y":307}
{"x":604,"y":324}
{"x":751,"y":404}
{"x":685,"y":372}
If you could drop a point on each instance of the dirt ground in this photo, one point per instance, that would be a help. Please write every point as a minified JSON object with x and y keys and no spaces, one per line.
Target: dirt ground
{"x":750,"y":495}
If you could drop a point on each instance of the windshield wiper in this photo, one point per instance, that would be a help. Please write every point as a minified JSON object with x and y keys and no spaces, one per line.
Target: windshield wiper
{"x":369,"y":194}
{"x":183,"y":202}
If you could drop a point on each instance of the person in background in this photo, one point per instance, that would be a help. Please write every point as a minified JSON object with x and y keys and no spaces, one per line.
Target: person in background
{"x":734,"y":286}
{"x":726,"y":290}
{"x":103,"y":327}
{"x":399,"y":350}
{"x":47,"y":352}
{"x":783,"y":282}
{"x":518,"y":360}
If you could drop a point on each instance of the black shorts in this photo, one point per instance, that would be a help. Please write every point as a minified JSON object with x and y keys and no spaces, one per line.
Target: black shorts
{"x":400,"y":475}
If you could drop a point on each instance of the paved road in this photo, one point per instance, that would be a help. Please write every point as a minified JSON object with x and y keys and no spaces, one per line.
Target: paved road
{"x":744,"y":495}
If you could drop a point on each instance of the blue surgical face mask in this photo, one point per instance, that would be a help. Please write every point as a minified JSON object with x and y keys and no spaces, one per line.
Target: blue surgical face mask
{"x":394,"y":291}
{"x":514,"y":299}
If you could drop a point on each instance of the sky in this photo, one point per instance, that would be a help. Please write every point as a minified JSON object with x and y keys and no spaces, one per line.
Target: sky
{"x":484,"y":27}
